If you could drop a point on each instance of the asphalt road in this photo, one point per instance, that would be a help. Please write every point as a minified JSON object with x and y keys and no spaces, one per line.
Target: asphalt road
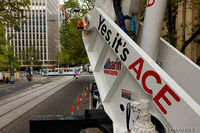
{"x":58,"y":104}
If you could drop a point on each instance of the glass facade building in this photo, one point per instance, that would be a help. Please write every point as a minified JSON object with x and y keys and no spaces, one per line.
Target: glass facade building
{"x":38,"y":38}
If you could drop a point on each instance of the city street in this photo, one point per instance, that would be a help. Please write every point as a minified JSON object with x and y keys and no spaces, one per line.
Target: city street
{"x":58,"y":104}
{"x":7,"y":90}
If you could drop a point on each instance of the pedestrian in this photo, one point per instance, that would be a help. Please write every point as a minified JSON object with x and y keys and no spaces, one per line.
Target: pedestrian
{"x":7,"y":80}
{"x":74,"y":74}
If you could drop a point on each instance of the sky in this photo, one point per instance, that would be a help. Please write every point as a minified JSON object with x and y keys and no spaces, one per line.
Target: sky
{"x":61,"y":1}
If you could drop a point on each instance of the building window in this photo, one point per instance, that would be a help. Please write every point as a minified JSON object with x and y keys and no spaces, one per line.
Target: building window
{"x":22,"y":42}
{"x":33,"y":42}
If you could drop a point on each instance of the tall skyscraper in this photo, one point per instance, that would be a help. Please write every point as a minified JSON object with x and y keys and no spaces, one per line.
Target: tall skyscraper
{"x":37,"y":42}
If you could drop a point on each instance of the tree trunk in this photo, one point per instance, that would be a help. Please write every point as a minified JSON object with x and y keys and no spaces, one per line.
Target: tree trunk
{"x":186,"y":43}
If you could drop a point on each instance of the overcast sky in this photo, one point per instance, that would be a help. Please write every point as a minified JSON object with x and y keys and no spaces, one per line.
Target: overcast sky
{"x":61,"y":1}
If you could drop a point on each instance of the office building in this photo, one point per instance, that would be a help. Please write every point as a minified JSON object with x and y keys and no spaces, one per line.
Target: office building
{"x":37,"y":42}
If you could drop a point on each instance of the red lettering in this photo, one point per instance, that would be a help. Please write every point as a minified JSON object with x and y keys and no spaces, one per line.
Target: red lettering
{"x":149,"y":4}
{"x":106,"y":71}
{"x":161,"y":94}
{"x":147,"y":74}
{"x":140,"y":61}
{"x":110,"y":72}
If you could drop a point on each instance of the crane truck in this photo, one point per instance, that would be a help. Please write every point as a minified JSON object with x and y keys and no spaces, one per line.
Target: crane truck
{"x":145,"y":84}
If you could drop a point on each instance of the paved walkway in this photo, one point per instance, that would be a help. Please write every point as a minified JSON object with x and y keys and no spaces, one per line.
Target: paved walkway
{"x":22,"y":80}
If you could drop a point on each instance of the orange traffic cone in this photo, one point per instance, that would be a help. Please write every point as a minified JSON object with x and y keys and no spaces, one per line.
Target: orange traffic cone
{"x":72,"y":111}
{"x":78,"y":104}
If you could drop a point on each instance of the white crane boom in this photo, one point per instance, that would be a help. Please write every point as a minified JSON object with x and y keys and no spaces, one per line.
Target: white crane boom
{"x":125,"y":73}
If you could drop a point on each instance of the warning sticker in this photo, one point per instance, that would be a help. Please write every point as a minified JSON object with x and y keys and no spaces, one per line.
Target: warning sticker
{"x":126,"y":94}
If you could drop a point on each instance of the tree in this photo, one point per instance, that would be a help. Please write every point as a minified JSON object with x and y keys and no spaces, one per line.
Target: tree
{"x":12,"y":12}
{"x":195,"y":29}
{"x":2,"y":39}
{"x":170,"y":19}
{"x":187,"y":32}
{"x":6,"y":52}
{"x":8,"y":59}
{"x":73,"y":51}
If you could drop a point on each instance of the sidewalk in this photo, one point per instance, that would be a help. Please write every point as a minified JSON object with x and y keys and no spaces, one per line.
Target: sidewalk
{"x":22,"y":80}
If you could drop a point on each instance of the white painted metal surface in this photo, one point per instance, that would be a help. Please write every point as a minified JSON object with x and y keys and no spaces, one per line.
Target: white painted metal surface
{"x":122,"y":68}
{"x":153,"y":21}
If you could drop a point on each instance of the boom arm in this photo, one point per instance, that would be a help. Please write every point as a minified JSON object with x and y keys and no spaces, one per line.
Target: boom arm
{"x":124,"y":72}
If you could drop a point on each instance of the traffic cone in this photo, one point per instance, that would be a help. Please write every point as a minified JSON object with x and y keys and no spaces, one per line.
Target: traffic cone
{"x":87,"y":89}
{"x":78,"y":104}
{"x":84,"y":99}
{"x":72,"y":111}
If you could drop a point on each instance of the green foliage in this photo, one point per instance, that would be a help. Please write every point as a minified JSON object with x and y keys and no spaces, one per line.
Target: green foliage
{"x":73,"y":51}
{"x":2,"y":39}
{"x":12,"y":12}
{"x":8,"y":59}
{"x":87,"y":5}
{"x":70,"y":6}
